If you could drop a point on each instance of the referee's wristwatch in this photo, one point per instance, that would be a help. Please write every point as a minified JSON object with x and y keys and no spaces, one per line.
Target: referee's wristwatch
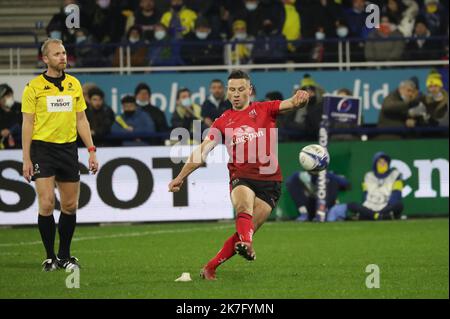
{"x":92,"y":149}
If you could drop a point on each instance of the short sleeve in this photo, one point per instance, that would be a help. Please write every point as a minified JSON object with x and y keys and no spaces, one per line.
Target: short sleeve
{"x":80,"y":104}
{"x":29,"y":100}
{"x":273,"y":107}
{"x":215,"y":132}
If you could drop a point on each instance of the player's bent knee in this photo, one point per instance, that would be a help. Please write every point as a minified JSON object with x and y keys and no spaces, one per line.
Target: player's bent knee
{"x":46,"y":207}
{"x":244,"y":209}
{"x":69,"y":208}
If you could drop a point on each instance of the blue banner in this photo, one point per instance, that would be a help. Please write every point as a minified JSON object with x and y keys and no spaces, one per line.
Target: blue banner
{"x":370,"y":85}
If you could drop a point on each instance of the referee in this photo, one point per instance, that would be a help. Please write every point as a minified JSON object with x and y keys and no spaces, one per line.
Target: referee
{"x":53,"y":112}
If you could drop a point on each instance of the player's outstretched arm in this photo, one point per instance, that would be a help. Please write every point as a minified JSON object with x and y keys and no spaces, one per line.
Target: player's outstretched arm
{"x":195,"y":160}
{"x":84,"y":130}
{"x":299,"y":100}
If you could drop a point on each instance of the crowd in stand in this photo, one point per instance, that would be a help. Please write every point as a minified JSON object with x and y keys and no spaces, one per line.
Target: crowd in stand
{"x":139,"y":122}
{"x":193,"y":32}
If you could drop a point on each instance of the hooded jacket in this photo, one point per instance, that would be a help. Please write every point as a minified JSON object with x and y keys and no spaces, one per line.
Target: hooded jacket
{"x":381,"y":189}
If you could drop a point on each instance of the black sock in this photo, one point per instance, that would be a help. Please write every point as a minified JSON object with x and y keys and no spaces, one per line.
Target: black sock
{"x":66,"y":228}
{"x":47,"y":229}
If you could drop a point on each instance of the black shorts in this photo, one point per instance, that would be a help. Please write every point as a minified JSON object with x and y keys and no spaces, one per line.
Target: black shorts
{"x":268,"y":191}
{"x":52,"y":159}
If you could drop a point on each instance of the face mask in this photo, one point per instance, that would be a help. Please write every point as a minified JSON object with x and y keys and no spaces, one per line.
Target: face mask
{"x":103,"y":3}
{"x":159,"y":35}
{"x":55,"y":35}
{"x":80,"y":39}
{"x":141,"y":103}
{"x":9,"y":102}
{"x":133,"y":40}
{"x":201,"y":35}
{"x":382,"y":168}
{"x":129,"y":113}
{"x":320,"y":35}
{"x":177,"y":7}
{"x":241,"y":35}
{"x":342,"y":32}
{"x":186,"y":102}
{"x":251,"y":6}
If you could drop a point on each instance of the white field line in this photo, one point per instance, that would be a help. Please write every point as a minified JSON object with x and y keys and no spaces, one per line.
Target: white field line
{"x":121,"y":235}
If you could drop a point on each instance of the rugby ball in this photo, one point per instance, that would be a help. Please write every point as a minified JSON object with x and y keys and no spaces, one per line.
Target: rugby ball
{"x":314,"y":158}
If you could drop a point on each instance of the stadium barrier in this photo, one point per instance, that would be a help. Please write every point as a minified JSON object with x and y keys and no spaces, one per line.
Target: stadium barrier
{"x":131,"y":185}
{"x":371,"y":85}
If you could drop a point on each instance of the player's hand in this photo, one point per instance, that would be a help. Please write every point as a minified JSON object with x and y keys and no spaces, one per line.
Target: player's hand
{"x":27,"y":170}
{"x":93,"y":163}
{"x":175,"y":185}
{"x":300,"y":98}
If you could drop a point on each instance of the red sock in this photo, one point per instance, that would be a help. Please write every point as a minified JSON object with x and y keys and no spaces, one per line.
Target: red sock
{"x":225,"y":253}
{"x":244,"y":227}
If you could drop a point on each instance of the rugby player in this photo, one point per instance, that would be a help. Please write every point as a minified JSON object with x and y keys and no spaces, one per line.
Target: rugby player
{"x":53,"y":112}
{"x":249,"y":133}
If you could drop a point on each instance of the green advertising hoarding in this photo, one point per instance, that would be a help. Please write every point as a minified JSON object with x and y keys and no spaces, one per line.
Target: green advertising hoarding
{"x":423,"y":164}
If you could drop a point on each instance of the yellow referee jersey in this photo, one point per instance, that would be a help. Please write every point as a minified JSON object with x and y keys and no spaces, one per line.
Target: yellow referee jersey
{"x":55,"y":108}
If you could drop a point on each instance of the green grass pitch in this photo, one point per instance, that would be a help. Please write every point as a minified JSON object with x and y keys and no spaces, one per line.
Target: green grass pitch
{"x":294,"y":260}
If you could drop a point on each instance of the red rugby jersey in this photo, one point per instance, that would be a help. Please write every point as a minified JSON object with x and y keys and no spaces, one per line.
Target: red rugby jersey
{"x":251,"y":139}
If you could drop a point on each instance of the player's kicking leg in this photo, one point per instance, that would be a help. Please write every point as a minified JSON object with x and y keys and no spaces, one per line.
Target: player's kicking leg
{"x":69,"y":193}
{"x":243,"y":199}
{"x":46,"y":222}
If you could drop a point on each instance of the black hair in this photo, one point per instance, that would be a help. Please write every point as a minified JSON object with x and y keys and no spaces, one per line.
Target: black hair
{"x":181,"y":91}
{"x":142,"y":86}
{"x":238,"y":74}
{"x":96,"y":91}
{"x":274,"y":95}
{"x":216,"y":81}
{"x":128,"y":99}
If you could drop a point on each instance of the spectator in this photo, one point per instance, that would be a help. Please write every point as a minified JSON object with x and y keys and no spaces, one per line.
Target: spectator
{"x":145,"y":17}
{"x":87,"y":54}
{"x":379,"y":48}
{"x":322,"y":13}
{"x":202,"y":47}
{"x":409,"y":12}
{"x":179,"y":20}
{"x":10,"y":118}
{"x":355,"y":18}
{"x":56,"y":28}
{"x":304,"y":121}
{"x":273,"y":96}
{"x":290,"y":21}
{"x":382,"y":188}
{"x":252,"y":12}
{"x":107,"y":22}
{"x":270,"y":45}
{"x":436,"y":17}
{"x":216,"y":103}
{"x":133,"y":122}
{"x":186,"y":111}
{"x":421,"y":47}
{"x":302,"y":186}
{"x":164,"y":51}
{"x":138,"y":48}
{"x":394,"y":10}
{"x":396,"y":106}
{"x":86,"y":88}
{"x":100,"y":116}
{"x":143,"y":95}
{"x":436,"y":100}
{"x":241,"y":53}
